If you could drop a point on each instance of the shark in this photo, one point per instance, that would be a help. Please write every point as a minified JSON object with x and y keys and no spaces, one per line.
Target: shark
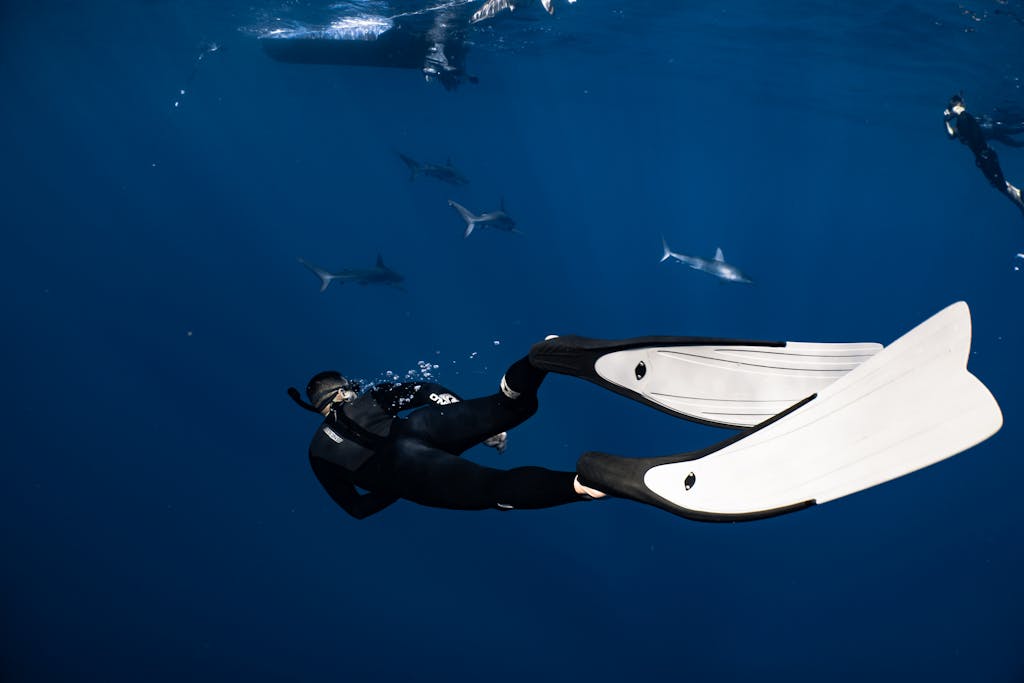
{"x":443,"y":172}
{"x":499,"y":220}
{"x":378,"y":275}
{"x":717,"y":266}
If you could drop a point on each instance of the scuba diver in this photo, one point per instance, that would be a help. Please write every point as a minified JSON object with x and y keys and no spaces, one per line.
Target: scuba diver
{"x":961,"y":124}
{"x":364,"y":442}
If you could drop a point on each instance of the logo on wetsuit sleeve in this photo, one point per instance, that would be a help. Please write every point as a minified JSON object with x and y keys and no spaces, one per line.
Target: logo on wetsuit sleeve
{"x":333,"y":435}
{"x":444,"y":399}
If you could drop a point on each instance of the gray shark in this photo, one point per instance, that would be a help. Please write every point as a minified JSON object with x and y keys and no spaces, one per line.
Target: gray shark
{"x":378,"y":275}
{"x":499,"y":220}
{"x":443,"y":172}
{"x":717,"y":267}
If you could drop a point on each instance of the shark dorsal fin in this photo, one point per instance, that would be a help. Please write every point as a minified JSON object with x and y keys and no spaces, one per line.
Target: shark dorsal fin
{"x":380,"y":261}
{"x":502,"y":204}
{"x":449,"y":162}
{"x":718,"y":255}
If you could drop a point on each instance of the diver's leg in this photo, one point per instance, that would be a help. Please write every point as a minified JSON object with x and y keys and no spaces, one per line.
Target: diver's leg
{"x":988,"y":161}
{"x":459,"y":426}
{"x":428,"y":476}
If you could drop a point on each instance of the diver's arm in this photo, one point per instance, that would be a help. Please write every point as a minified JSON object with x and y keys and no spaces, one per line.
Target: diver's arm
{"x":334,"y":480}
{"x":950,"y":118}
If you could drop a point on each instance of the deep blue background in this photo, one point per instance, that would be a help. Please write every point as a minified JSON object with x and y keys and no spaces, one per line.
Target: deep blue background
{"x":159,"y":520}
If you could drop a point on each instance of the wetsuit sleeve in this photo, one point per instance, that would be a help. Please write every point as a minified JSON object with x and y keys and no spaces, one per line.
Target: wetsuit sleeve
{"x":394,"y":398}
{"x":950,"y":124}
{"x":335,"y":481}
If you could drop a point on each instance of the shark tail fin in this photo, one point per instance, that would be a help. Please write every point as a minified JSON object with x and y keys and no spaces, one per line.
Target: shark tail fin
{"x":664,"y":246}
{"x":467,"y":216}
{"x":325,"y":276}
{"x":414,"y":166}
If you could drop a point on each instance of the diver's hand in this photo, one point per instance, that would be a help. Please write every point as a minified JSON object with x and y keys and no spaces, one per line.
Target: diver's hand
{"x":948,"y":114}
{"x":498,"y":442}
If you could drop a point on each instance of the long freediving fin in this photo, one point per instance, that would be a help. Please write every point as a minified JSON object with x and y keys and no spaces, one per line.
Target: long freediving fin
{"x":910,"y":406}
{"x":720,"y":382}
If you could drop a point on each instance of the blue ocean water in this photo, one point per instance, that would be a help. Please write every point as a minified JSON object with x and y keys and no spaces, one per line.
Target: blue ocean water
{"x":159,"y":518}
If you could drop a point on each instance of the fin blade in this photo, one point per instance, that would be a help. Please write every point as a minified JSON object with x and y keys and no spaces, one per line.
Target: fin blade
{"x":842,"y":440}
{"x":718,"y":382}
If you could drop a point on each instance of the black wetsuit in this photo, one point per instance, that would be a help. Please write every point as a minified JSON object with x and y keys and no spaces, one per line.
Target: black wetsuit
{"x":417,"y":457}
{"x":970,"y":132}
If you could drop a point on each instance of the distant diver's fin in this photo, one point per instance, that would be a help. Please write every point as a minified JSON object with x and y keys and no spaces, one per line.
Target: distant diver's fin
{"x":719,"y":256}
{"x":908,"y":407}
{"x":720,"y":382}
{"x":325,"y":276}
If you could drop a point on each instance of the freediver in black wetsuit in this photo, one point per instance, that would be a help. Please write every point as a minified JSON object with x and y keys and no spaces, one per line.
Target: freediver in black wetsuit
{"x":961,"y":124}
{"x":364,"y":442}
